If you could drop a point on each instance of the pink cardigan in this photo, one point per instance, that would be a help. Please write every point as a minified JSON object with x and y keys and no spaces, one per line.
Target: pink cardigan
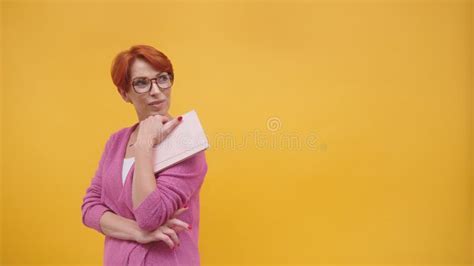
{"x":176,"y":186}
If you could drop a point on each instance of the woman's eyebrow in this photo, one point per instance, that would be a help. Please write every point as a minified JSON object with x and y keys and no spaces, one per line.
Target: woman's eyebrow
{"x":159,"y":73}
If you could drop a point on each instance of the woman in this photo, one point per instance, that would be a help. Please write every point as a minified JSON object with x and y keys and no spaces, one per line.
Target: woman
{"x":148,"y":218}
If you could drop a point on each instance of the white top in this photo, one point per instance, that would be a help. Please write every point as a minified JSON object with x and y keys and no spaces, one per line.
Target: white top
{"x":127,"y":164}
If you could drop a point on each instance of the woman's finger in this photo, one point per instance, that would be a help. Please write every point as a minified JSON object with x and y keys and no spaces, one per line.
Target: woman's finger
{"x":172,"y":234}
{"x":177,"y":222}
{"x":168,"y":127}
{"x":163,"y":119}
{"x":178,"y":229}
{"x":180,"y":211}
{"x":165,"y":238}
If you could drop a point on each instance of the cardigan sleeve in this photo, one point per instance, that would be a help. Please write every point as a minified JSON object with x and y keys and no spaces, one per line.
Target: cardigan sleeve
{"x":174,"y":188}
{"x":92,"y":207}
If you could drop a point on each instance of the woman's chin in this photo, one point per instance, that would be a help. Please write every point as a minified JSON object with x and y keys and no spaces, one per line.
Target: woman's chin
{"x":156,"y":111}
{"x":159,"y":112}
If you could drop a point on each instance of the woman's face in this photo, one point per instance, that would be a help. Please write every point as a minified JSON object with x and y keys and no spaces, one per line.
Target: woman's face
{"x":145,"y":103}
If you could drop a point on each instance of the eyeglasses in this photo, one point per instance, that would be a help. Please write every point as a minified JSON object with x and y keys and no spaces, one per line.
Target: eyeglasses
{"x":143,"y":84}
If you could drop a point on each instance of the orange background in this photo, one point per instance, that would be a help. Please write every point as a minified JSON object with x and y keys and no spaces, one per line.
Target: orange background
{"x":378,"y":94}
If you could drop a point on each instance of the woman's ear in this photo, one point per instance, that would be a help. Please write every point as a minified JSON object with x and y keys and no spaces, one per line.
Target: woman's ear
{"x":124,"y":95}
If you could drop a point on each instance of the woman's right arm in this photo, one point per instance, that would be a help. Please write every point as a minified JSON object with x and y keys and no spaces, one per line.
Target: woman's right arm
{"x":92,"y":207}
{"x":126,"y":229}
{"x":119,"y":227}
{"x":97,"y":215}
{"x":100,"y":217}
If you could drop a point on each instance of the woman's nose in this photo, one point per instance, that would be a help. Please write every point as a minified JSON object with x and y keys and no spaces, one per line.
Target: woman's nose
{"x":154,"y":87}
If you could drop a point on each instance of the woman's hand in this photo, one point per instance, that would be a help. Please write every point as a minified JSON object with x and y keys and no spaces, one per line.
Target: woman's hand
{"x":166,"y":232}
{"x":154,"y":129}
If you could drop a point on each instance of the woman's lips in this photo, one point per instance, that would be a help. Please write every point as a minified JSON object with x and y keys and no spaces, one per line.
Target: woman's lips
{"x":157,"y":103}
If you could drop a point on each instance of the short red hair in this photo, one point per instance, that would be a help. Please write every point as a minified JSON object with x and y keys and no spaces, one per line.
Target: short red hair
{"x":122,"y":63}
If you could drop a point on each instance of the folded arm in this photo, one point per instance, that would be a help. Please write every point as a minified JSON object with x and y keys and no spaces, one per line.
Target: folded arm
{"x":119,"y":227}
{"x":155,"y":199}
{"x":98,"y":216}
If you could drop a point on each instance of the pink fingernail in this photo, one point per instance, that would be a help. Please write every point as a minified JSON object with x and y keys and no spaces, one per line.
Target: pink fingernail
{"x":180,"y":118}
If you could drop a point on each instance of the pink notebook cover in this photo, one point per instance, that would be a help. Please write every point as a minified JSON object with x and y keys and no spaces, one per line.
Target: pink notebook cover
{"x":187,"y":139}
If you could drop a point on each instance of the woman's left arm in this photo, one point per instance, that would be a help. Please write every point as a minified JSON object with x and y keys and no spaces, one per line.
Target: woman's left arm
{"x":170,"y":191}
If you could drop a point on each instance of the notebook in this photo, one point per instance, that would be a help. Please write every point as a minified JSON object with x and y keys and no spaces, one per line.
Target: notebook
{"x":187,"y":139}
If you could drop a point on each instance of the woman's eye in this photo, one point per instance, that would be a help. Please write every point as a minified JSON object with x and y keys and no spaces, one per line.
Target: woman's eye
{"x":140,"y":82}
{"x":164,"y":78}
